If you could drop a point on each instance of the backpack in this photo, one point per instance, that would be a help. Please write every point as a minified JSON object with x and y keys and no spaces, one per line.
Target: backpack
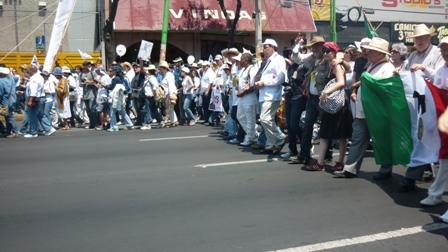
{"x":160,"y":94}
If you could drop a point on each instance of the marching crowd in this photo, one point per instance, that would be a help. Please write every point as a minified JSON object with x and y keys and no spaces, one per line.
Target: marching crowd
{"x":322,"y":86}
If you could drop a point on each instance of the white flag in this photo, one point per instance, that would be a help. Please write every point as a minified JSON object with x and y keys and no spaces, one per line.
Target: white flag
{"x":210,"y":58}
{"x":84,"y":56}
{"x":35,"y":62}
{"x":65,"y":8}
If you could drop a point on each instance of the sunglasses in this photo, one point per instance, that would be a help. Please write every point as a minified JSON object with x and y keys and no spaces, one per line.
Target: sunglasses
{"x":393,"y":51}
{"x":326,"y":50}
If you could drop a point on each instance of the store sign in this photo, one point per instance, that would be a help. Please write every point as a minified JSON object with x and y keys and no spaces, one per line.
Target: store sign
{"x":40,"y":43}
{"x":432,"y":11}
{"x":402,"y":32}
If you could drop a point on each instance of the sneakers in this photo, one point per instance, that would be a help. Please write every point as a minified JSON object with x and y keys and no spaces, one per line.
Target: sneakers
{"x":338,"y":166}
{"x":344,"y":174}
{"x":257,"y":147}
{"x":49,"y":133}
{"x":234,"y":141}
{"x":245,"y":143}
{"x":191,"y":123}
{"x":431,"y":201}
{"x":12,"y":135}
{"x":288,"y":155}
{"x":30,"y":136}
{"x":130,"y":128}
{"x":112,"y":130}
{"x":146,"y":127}
{"x":315,"y":167}
{"x":161,"y":125}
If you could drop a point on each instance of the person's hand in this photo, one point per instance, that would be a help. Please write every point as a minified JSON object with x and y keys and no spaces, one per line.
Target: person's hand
{"x":443,"y":122}
{"x":353,"y":97}
{"x":240,"y":94}
{"x":323,"y":98}
{"x":417,"y":67}
{"x":259,"y":84}
{"x":397,"y":70}
{"x":206,"y":93}
{"x":336,"y":62}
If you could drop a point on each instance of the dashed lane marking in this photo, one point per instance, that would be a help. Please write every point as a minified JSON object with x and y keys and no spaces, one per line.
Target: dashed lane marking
{"x":171,"y":138}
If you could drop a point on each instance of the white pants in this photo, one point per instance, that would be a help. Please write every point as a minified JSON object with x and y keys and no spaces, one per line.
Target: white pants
{"x":246,"y":115}
{"x":170,"y":109}
{"x":274,"y":137}
{"x":438,"y":187}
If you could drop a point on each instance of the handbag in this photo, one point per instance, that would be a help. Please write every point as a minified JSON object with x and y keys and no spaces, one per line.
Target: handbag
{"x":335,"y":101}
{"x":4,"y":109}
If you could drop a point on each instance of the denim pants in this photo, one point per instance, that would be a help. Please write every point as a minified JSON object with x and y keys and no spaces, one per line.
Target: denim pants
{"x":36,"y":116}
{"x":187,"y":104}
{"x":138,"y":105}
{"x":205,"y":105}
{"x":113,"y":117}
{"x":294,"y":109}
{"x":231,"y":126}
{"x":91,"y":112}
{"x":150,"y":111}
{"x":241,"y":133}
{"x":11,"y":125}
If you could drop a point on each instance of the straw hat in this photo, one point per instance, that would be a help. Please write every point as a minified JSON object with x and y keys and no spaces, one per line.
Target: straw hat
{"x":316,"y":39}
{"x":164,"y":64}
{"x":178,"y":59}
{"x":126,"y":64}
{"x":45,"y":73}
{"x":379,"y":45}
{"x":150,"y":67}
{"x":230,"y":52}
{"x":238,"y":57}
{"x":65,"y":69}
{"x":422,"y":30}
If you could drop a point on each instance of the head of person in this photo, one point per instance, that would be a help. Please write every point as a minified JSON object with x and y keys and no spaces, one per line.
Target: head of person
{"x":86,"y":66}
{"x":329,"y":51}
{"x":316,"y":45}
{"x":304,"y":50}
{"x":57,"y":72}
{"x":377,"y":50}
{"x":232,"y":52}
{"x":117,"y":71}
{"x":226,"y":69}
{"x":136,"y":67}
{"x":205,"y":65}
{"x":151,"y":69}
{"x":66,"y":71}
{"x":219,"y":59}
{"x":194,"y":72}
{"x":443,"y":45}
{"x":269,"y":47}
{"x":399,"y":52}
{"x":350,"y":53}
{"x":185,"y":71}
{"x":78,"y":69}
{"x":164,"y":67}
{"x":237,"y":60}
{"x":246,"y":59}
{"x":194,"y":66}
{"x":45,"y":74}
{"x":422,"y":37}
{"x":114,"y":63}
{"x":100,"y":71}
{"x":178,"y":62}
{"x":32,"y":70}
{"x":4,"y":71}
{"x":110,"y":72}
{"x":364,"y":42}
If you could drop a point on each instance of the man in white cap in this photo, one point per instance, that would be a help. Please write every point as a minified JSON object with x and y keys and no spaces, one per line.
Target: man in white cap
{"x":270,"y":93}
{"x":427,"y":58}
{"x":379,"y":67}
{"x":216,"y":87}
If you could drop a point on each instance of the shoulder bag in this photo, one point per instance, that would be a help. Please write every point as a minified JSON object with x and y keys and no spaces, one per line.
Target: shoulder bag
{"x":4,"y":109}
{"x":335,"y":100}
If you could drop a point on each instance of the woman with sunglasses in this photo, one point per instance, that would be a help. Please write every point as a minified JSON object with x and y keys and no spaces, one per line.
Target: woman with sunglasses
{"x":399,"y":54}
{"x":336,"y":125}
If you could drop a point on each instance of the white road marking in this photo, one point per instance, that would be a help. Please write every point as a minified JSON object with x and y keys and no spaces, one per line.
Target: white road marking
{"x":238,"y":162}
{"x":171,"y":138}
{"x":367,"y":238}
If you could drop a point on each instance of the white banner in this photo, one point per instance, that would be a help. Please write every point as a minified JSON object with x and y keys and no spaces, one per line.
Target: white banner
{"x":65,"y":8}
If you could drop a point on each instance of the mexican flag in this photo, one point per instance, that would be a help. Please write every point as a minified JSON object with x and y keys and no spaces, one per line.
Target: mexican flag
{"x":401,"y":114}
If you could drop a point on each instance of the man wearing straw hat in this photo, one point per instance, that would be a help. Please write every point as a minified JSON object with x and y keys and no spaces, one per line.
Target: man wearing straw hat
{"x":428,"y":59}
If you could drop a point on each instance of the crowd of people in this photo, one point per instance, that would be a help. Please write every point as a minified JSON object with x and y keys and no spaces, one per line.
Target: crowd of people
{"x":246,"y":91}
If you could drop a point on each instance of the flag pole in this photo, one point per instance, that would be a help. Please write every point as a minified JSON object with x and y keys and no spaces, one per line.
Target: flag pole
{"x":365,"y":15}
{"x":65,"y":31}
{"x":163,"y":43}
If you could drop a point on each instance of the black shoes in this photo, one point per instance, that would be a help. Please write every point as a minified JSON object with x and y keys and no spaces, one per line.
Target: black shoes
{"x":382,"y":176}
{"x":301,"y":161}
{"x":406,"y":185}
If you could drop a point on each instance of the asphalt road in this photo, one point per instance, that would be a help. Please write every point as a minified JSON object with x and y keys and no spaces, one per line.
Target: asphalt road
{"x":185,"y":189}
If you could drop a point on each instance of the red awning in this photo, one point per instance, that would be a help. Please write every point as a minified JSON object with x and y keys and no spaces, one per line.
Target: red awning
{"x":144,"y":15}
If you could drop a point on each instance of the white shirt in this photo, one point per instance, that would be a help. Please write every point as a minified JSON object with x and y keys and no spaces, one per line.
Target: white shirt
{"x":208,"y":78}
{"x":220,"y":78}
{"x":187,"y":82}
{"x":151,"y":84}
{"x":247,"y":77}
{"x":49,"y":86}
{"x":273,"y":75}
{"x":36,"y":86}
{"x":130,"y":75}
{"x":441,"y":77}
{"x":384,"y":70}
{"x":169,"y":84}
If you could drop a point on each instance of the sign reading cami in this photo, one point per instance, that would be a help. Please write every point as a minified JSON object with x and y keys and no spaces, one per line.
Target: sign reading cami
{"x":206,"y":15}
{"x":401,"y":32}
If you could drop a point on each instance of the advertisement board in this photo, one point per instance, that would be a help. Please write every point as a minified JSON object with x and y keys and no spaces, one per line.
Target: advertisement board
{"x":401,"y":31}
{"x":431,"y":11}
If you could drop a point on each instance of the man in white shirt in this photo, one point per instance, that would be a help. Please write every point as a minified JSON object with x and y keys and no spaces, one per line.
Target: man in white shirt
{"x":380,"y":67}
{"x":218,"y":86}
{"x":272,"y":76}
{"x":207,"y":79}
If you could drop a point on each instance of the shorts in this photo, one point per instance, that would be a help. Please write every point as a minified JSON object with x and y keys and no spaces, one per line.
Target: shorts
{"x":102,"y":107}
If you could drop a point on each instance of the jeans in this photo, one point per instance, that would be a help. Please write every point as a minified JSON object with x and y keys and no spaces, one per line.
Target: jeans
{"x":11,"y":125}
{"x":150,"y":111}
{"x":47,"y":109}
{"x":138,"y":105}
{"x":25,"y":122}
{"x":205,"y":105}
{"x":36,"y":116}
{"x":187,"y":104}
{"x":231,"y":126}
{"x":294,"y":109}
{"x":113,"y":118}
{"x":91,"y":112}
{"x":241,"y":133}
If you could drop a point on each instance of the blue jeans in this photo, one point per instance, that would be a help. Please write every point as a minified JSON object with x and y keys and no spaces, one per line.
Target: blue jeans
{"x":47,"y":109}
{"x":262,"y":138}
{"x":113,"y":118}
{"x":231,"y":126}
{"x":150,"y":111}
{"x":91,"y":112}
{"x":11,"y":125}
{"x":187,"y":103}
{"x":36,"y":116}
{"x":294,"y":109}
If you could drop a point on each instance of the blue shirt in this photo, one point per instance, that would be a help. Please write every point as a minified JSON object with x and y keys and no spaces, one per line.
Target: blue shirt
{"x":5,"y":89}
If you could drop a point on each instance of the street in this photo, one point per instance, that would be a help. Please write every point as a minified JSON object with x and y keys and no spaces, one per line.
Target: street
{"x":186,"y":189}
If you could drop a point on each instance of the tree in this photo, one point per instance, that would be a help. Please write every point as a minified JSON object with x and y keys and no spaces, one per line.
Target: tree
{"x":108,"y":32}
{"x":231,"y":24}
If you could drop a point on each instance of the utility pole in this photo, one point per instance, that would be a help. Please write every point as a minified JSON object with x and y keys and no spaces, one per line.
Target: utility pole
{"x":166,"y":12}
{"x":258,"y":32}
{"x":333,"y":34}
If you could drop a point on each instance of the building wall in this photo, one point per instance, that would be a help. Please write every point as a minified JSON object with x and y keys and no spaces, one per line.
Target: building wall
{"x":31,"y":23}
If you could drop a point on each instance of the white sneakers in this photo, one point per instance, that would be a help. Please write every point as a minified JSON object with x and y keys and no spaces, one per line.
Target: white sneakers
{"x":431,"y":201}
{"x":49,"y":133}
{"x":245,"y":143}
{"x":234,"y":141}
{"x":29,"y":136}
{"x":146,"y":127}
{"x":288,"y":155}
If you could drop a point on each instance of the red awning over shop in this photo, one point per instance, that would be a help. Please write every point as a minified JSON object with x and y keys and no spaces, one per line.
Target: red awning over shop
{"x":144,"y":15}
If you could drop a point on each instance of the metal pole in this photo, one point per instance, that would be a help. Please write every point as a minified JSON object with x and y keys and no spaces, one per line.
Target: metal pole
{"x":163,"y":43}
{"x":258,"y":33}
{"x":334,"y":37}
{"x":16,"y":26}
